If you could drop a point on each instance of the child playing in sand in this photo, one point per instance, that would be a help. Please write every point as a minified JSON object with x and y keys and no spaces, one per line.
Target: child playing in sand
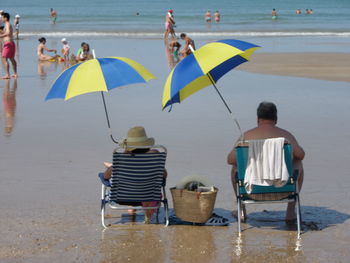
{"x":65,"y":49}
{"x":84,"y":52}
{"x":40,"y":51}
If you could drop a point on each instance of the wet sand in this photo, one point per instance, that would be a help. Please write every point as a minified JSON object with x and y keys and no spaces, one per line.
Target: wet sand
{"x":49,"y":159}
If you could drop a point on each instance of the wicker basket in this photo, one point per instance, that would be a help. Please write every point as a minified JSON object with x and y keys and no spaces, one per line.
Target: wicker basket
{"x":190,"y":206}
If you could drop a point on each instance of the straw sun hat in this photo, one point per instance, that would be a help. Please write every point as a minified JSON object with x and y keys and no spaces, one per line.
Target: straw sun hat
{"x":137,"y":137}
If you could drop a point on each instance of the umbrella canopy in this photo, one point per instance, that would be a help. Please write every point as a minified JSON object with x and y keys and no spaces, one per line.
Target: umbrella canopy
{"x":204,"y":67}
{"x":100,"y":74}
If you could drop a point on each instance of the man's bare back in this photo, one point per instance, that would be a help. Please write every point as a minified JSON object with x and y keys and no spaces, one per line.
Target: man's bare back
{"x":266,"y":129}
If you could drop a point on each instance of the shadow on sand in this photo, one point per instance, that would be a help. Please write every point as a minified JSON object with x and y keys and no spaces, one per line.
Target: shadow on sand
{"x":314,"y":218}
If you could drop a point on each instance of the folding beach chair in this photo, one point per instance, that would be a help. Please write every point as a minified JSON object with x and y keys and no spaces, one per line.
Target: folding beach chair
{"x":266,"y":194}
{"x":136,"y":178}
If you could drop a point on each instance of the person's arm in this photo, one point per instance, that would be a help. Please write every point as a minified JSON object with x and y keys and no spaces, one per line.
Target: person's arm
{"x":50,"y":50}
{"x":298,"y":151}
{"x":231,"y":158}
{"x":5,"y":32}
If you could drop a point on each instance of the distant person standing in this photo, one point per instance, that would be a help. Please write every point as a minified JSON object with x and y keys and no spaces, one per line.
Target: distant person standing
{"x":169,"y":25}
{"x":207,"y":16}
{"x":16,"y":24}
{"x":298,"y":11}
{"x":9,"y":47}
{"x":310,"y":12}
{"x":65,"y":49}
{"x":274,"y":14}
{"x":53,"y":15}
{"x":307,"y":11}
{"x":217,"y":16}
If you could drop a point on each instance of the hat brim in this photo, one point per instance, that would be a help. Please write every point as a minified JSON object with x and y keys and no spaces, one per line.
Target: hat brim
{"x":133,"y":145}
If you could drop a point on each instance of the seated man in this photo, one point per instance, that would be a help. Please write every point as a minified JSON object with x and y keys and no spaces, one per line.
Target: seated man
{"x":267,"y":120}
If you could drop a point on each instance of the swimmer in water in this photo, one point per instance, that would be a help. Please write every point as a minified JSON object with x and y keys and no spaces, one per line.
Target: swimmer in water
{"x":207,"y":16}
{"x":217,"y":16}
{"x":40,"y":51}
{"x":274,"y":14}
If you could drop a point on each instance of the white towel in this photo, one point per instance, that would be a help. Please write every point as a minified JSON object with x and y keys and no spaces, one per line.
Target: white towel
{"x":266,"y":165}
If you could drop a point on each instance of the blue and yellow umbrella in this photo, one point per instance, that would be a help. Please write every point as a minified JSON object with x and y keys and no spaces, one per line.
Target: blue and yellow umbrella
{"x":99,"y":74}
{"x":205,"y":67}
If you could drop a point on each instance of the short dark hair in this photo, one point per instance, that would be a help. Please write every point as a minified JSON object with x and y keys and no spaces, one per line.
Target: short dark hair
{"x":183,"y":35}
{"x":7,"y":15}
{"x":42,"y":39}
{"x":267,"y":111}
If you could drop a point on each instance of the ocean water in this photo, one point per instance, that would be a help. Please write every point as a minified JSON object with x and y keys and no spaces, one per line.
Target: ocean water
{"x":239,"y":17}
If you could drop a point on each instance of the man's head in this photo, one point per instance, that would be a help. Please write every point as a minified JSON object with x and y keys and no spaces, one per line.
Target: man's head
{"x":267,"y":111}
{"x":183,"y":35}
{"x":5,"y":17}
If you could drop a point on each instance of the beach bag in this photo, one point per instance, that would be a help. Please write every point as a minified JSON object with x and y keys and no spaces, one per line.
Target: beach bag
{"x":193,"y":206}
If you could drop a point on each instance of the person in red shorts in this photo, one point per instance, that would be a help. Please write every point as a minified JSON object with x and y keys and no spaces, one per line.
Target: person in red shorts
{"x":9,"y":47}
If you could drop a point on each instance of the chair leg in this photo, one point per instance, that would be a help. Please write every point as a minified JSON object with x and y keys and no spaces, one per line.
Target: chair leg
{"x":166,"y":208}
{"x":298,"y":214}
{"x":103,"y":206}
{"x":239,"y":204}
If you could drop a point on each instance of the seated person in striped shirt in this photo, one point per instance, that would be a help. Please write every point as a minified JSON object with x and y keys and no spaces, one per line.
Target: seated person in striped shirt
{"x":136,"y":137}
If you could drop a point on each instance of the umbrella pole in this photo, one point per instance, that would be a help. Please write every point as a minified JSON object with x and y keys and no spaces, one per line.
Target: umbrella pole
{"x":223,"y":100}
{"x":104,"y":104}
{"x":107,"y":117}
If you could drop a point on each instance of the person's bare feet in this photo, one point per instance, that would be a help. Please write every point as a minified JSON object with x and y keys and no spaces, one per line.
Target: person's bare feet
{"x":14,"y":76}
{"x":131,"y":212}
{"x":6,"y":77}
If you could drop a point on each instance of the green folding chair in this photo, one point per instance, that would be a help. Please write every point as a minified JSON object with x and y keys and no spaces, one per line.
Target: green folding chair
{"x":266,"y":194}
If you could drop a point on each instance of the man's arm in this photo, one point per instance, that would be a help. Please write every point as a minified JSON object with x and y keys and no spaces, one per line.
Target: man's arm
{"x":298,"y":151}
{"x":231,"y":158}
{"x":6,"y":31}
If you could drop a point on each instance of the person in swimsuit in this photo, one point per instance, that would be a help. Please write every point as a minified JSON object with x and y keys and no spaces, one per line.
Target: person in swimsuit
{"x":41,"y":48}
{"x":84,"y":53}
{"x":207,"y":16}
{"x":65,"y":49}
{"x":53,"y":15}
{"x":217,"y":16}
{"x":274,"y":14}
{"x":169,"y":25}
{"x":9,"y":47}
{"x":189,"y":45}
{"x":16,"y":24}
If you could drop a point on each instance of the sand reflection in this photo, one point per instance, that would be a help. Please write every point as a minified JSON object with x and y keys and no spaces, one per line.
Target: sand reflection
{"x":193,"y":244}
{"x":265,"y":246}
{"x":138,"y":243}
{"x":9,"y":104}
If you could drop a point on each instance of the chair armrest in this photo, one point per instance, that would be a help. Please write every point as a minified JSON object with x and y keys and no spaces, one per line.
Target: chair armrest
{"x":103,"y":180}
